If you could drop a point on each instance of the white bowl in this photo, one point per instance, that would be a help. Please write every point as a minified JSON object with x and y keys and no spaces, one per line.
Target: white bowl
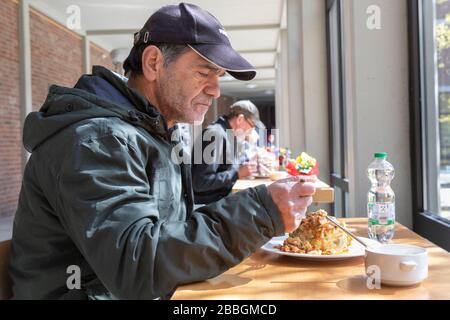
{"x":399,"y":264}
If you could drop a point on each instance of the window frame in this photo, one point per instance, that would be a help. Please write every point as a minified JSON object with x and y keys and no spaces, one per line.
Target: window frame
{"x":423,"y":93}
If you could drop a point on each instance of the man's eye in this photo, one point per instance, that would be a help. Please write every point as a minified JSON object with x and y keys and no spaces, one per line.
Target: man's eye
{"x":204,"y":75}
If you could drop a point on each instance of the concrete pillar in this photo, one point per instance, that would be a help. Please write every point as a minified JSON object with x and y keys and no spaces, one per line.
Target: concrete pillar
{"x":377,"y":99}
{"x":26,"y":102}
{"x":304,"y":48}
{"x":215,"y":111}
{"x":295,"y":73}
{"x":278,"y":98}
{"x":282,"y":92}
{"x":315,"y":84}
{"x":86,"y":55}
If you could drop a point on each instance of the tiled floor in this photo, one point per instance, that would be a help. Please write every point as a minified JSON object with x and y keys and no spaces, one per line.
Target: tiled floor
{"x":6,"y":224}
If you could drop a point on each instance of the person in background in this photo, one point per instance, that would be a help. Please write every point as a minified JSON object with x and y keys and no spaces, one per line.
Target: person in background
{"x":248,"y":148}
{"x":214,"y":179}
{"x":271,"y":142}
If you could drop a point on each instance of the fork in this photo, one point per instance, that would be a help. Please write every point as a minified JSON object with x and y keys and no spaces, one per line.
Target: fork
{"x":351,"y":234}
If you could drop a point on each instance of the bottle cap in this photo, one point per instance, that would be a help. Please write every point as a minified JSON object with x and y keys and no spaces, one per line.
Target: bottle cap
{"x":381,"y":155}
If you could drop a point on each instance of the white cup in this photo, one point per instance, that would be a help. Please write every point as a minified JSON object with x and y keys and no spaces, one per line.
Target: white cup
{"x":399,"y":264}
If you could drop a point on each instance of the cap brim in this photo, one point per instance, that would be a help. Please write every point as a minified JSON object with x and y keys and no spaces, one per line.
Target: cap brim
{"x":226,"y":58}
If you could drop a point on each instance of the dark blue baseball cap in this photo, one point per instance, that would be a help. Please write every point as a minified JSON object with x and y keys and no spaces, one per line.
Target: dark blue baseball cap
{"x":190,"y":25}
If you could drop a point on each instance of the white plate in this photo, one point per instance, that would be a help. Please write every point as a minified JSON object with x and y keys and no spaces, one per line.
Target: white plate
{"x":355,"y":250}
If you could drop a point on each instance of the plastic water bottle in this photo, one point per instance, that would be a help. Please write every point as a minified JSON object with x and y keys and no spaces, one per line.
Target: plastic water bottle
{"x":381,"y":199}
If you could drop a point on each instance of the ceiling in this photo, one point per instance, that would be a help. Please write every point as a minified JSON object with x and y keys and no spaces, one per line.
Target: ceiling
{"x":252,"y":25}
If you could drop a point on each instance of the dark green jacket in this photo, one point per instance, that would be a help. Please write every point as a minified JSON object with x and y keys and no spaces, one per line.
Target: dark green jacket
{"x":100,"y":192}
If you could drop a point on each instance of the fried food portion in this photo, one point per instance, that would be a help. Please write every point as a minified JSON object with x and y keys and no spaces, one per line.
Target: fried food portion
{"x":317,"y":235}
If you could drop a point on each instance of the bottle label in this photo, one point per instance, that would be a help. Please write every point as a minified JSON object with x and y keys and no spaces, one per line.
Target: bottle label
{"x":381,"y":213}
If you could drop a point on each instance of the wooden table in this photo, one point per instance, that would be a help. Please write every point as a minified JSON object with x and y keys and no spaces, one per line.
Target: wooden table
{"x":324,"y":193}
{"x":270,"y":276}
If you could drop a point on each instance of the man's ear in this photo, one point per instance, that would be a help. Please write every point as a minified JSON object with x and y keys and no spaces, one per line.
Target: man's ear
{"x":152,"y":61}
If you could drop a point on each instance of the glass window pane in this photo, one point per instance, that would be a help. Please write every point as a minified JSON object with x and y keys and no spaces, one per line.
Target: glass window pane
{"x":442,"y":47}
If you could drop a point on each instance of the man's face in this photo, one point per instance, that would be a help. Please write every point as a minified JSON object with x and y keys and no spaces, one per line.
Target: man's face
{"x":186,"y":88}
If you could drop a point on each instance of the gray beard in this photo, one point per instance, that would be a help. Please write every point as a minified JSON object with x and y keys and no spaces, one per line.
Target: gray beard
{"x":171,"y":109}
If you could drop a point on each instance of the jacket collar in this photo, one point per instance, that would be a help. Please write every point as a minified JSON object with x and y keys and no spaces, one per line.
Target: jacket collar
{"x":144,"y":114}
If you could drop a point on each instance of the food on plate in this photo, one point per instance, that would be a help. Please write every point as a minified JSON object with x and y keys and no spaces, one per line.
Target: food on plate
{"x":316,"y":235}
{"x":304,"y":165}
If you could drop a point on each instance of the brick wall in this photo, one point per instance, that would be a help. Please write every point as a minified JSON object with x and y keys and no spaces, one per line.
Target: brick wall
{"x":56,"y":58}
{"x":10,"y":135}
{"x":100,"y":56}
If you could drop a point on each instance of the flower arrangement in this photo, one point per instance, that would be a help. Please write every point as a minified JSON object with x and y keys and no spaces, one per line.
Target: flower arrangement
{"x":304,"y":164}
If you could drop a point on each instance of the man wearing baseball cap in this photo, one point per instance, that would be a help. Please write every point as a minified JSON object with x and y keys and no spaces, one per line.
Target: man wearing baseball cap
{"x":104,"y":212}
{"x":212,"y":180}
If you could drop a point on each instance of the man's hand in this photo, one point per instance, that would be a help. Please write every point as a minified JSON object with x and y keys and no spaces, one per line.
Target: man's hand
{"x":292,"y":196}
{"x":246,"y":170}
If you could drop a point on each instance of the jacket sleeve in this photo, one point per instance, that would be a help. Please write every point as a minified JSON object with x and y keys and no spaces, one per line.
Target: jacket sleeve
{"x":210,"y":177}
{"x":107,"y":209}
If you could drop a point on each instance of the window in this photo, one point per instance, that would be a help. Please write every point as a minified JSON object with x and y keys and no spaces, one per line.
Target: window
{"x":430,"y":117}
{"x":442,"y":48}
{"x":336,"y":109}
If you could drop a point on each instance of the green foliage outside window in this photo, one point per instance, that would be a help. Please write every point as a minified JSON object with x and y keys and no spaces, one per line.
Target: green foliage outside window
{"x":443,"y":55}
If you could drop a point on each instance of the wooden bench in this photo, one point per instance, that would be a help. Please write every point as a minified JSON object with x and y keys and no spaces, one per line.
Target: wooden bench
{"x":5,"y":281}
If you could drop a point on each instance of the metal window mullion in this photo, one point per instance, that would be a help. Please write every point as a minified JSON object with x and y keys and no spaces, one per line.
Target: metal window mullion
{"x":342,"y":113}
{"x":331,"y":92}
{"x":86,"y":54}
{"x":430,"y":109}
{"x":338,"y":173}
{"x":335,"y":71}
{"x":340,"y":182}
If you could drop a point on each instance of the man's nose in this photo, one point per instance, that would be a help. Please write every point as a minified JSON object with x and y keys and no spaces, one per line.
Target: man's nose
{"x":213,"y":88}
